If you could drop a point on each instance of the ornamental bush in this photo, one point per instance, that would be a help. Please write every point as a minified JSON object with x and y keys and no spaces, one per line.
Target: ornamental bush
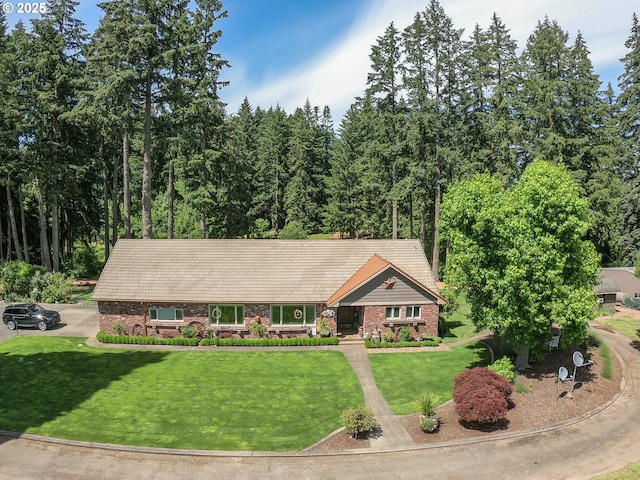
{"x":358,"y":420}
{"x":504,"y":366}
{"x":481,"y":395}
{"x":404,"y":335}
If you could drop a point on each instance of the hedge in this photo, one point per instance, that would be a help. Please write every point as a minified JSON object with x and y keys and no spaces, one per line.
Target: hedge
{"x":270,"y":342}
{"x":222,"y":342}
{"x":423,"y":343}
{"x":135,"y":340}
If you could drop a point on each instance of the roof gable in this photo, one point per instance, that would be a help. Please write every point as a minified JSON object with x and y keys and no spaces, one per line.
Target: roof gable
{"x":370,"y":272}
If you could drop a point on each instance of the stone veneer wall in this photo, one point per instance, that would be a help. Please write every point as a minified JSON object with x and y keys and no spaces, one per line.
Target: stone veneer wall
{"x":375,"y":317}
{"x":134,"y":315}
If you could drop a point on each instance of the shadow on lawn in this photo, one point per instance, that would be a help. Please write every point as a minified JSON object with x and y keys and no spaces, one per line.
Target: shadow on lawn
{"x":482,"y":353}
{"x":39,"y":387}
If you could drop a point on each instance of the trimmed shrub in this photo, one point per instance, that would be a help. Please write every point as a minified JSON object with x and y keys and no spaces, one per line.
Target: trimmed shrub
{"x":504,"y":366}
{"x":404,"y":335}
{"x":189,"y":332}
{"x":481,"y":395}
{"x":269,"y":342}
{"x":358,"y":420}
{"x":425,"y":343}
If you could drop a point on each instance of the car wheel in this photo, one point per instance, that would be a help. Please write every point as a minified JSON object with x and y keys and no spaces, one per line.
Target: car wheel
{"x":11,"y":325}
{"x":42,"y":325}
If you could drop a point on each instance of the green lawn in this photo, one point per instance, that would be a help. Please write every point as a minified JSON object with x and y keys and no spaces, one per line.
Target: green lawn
{"x":269,"y":400}
{"x":401,"y":377}
{"x":624,"y":325}
{"x":459,"y":325}
{"x":630,"y":472}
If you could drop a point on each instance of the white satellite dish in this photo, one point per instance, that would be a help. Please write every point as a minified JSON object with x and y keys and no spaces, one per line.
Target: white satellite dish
{"x":578,"y":359}
{"x":563,"y":373}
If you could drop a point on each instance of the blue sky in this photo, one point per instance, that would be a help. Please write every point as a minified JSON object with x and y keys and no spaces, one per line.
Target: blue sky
{"x":286,"y":51}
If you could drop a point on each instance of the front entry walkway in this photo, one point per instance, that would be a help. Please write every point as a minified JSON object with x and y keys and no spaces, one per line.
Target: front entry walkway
{"x":392,"y":434}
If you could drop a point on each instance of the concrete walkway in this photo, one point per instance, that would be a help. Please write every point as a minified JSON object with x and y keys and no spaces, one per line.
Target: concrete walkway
{"x":392,"y":434}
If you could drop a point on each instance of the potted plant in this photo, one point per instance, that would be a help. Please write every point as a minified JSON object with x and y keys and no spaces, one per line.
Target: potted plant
{"x":323,"y":328}
{"x":426,"y":404}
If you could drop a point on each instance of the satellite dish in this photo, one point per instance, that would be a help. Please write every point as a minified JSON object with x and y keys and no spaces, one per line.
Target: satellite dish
{"x":563,"y":373}
{"x":578,"y":359}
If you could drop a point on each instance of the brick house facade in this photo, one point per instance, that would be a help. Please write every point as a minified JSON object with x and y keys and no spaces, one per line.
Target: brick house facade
{"x":156,"y":287}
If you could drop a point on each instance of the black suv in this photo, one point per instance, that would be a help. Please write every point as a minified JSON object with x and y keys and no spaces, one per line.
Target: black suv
{"x":29,"y":315}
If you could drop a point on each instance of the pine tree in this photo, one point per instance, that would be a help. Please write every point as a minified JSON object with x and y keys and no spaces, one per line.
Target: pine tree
{"x":629,"y":104}
{"x":434,"y":69}
{"x":271,"y":168}
{"x":545,"y":63}
{"x":384,"y":85}
{"x":57,"y":68}
{"x":628,"y":116}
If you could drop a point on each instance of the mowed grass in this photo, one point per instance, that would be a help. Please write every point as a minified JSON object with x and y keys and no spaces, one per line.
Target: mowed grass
{"x":627,"y":326}
{"x":401,"y":377}
{"x":267,"y":400}
{"x":459,"y":325}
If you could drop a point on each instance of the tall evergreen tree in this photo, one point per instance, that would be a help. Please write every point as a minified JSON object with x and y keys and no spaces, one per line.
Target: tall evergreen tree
{"x":271,"y":169}
{"x":385,"y":84}
{"x":56,"y":142}
{"x":433,"y":77}
{"x":628,"y":116}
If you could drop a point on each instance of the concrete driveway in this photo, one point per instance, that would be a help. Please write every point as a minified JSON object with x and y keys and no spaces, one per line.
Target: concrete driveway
{"x":76,"y":321}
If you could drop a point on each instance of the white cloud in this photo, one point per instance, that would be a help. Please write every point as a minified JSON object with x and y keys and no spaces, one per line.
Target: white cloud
{"x":337,"y":74}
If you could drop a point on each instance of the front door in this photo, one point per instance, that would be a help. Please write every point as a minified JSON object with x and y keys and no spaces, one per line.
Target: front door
{"x":348,"y":320}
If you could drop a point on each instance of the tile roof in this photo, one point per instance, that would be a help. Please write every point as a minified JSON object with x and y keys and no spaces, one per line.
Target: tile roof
{"x":242,"y":271}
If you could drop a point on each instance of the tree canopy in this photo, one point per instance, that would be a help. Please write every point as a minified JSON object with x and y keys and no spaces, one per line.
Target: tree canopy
{"x":520,"y":255}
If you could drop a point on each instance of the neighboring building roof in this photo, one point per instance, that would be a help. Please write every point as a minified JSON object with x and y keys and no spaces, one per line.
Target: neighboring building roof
{"x":625,"y":279}
{"x":241,"y":271}
{"x":607,"y":286}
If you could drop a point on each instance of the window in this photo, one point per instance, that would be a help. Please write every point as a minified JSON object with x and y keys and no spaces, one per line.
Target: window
{"x":226,"y":314}
{"x":413,"y":311}
{"x":293,"y":314}
{"x":393,"y":312}
{"x":166,"y":314}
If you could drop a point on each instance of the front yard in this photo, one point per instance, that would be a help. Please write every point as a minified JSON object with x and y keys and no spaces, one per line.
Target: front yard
{"x":270,"y":400}
{"x":401,"y":377}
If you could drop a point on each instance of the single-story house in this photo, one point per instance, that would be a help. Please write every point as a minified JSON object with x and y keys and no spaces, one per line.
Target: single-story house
{"x":620,"y":281}
{"x":607,"y":290}
{"x":154,"y":287}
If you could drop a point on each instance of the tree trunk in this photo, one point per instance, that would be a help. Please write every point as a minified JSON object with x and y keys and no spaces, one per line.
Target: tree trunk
{"x":170,"y":200}
{"x":8,"y":257}
{"x":45,"y":256}
{"x":105,"y":209}
{"x":55,"y":235}
{"x":522,"y":358}
{"x":394,"y":204}
{"x":147,"y":223}
{"x":23,"y":223}
{"x":114,"y":203}
{"x":204,"y":178}
{"x":126,"y":186}
{"x":13,"y":225}
{"x":1,"y":241}
{"x":435,"y":257}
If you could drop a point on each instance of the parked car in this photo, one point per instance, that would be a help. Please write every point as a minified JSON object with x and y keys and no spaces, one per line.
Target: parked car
{"x":29,"y":315}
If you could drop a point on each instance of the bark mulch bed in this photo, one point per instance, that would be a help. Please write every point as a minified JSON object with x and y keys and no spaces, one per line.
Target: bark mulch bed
{"x":534,"y":409}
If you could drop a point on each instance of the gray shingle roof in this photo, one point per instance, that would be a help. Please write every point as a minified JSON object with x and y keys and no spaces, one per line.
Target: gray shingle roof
{"x":247,"y":271}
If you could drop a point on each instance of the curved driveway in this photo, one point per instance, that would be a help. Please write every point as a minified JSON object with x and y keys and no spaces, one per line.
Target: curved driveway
{"x":596,"y":445}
